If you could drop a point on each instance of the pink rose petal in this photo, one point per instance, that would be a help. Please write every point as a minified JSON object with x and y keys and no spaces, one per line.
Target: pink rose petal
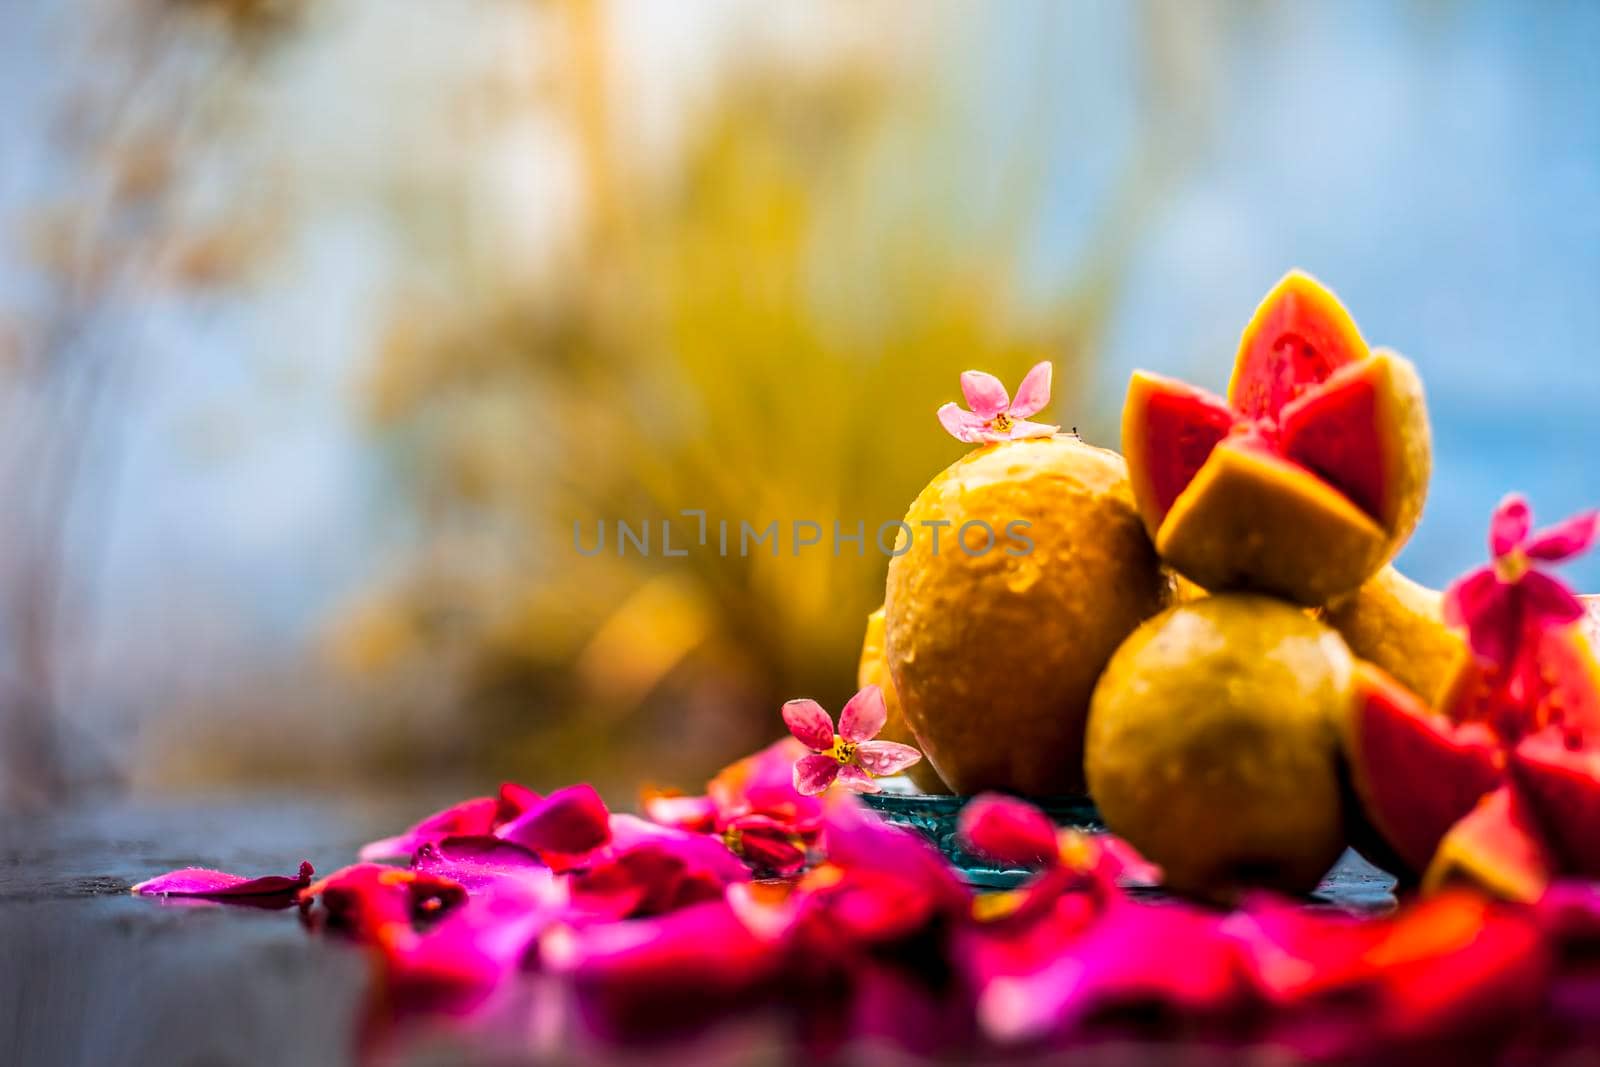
{"x":809,"y":723}
{"x":1509,"y":526}
{"x":814,"y":773}
{"x":474,"y":816}
{"x":570,"y":821}
{"x":985,"y":395}
{"x":513,"y":800}
{"x":669,"y":973}
{"x":1008,"y":831}
{"x":1565,"y":539}
{"x":685,"y":813}
{"x":767,"y":844}
{"x":479,"y":863}
{"x":882,"y":758}
{"x":1034,"y":392}
{"x":219,"y":885}
{"x":863,"y":716}
{"x":374,"y":903}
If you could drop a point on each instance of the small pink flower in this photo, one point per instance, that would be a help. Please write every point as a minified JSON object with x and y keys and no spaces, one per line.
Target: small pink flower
{"x":995,"y":416}
{"x":1511,"y":599}
{"x":850,"y":756}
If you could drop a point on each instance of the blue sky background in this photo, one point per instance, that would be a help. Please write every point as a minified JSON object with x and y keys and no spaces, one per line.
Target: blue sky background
{"x":1439,"y":166}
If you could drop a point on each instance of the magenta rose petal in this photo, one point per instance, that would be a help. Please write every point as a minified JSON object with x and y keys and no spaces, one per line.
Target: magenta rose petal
{"x":1007,"y":830}
{"x":220,"y":885}
{"x":474,"y":816}
{"x":568,"y":822}
{"x":479,"y":863}
{"x":512,"y":801}
{"x":683,"y":813}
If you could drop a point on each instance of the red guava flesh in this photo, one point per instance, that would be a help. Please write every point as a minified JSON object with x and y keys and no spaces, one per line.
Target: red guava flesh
{"x":1563,"y":788}
{"x":1415,"y":771}
{"x":1182,"y":425}
{"x":1306,"y":389}
{"x":1297,"y":338}
{"x":1458,"y":961}
{"x":1498,"y":845}
{"x":1337,"y":433}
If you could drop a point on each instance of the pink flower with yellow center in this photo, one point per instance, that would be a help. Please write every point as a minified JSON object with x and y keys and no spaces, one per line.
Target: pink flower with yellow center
{"x":994,"y":414}
{"x":1511,"y":598}
{"x":851,"y":756}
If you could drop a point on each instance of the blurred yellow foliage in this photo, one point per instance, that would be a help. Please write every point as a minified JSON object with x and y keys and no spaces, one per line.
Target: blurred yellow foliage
{"x":763,"y":335}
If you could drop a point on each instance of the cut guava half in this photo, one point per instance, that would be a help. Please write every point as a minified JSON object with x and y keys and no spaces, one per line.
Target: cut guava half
{"x":1415,"y":772}
{"x":1341,"y":421}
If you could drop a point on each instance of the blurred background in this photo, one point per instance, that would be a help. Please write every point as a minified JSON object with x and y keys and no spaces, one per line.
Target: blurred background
{"x":322,"y":322}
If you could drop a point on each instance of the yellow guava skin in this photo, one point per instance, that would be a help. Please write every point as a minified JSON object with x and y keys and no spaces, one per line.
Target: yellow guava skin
{"x":1251,"y":521}
{"x":874,"y":670}
{"x":1398,"y":624}
{"x":994,"y":656}
{"x":1213,"y":745}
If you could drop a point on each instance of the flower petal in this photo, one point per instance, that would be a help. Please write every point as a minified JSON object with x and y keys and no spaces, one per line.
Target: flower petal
{"x":1547,"y":601}
{"x":474,"y":816}
{"x":880,"y":758}
{"x":1494,"y":625}
{"x":513,"y":800}
{"x":962,"y":425}
{"x":985,"y":394}
{"x":569,"y":821}
{"x":1508,"y":528}
{"x":1472,"y":597}
{"x":767,"y":845}
{"x":685,"y":813}
{"x":857,"y":780}
{"x":863,"y":715}
{"x":377,"y":904}
{"x":809,"y":723}
{"x":1034,"y":392}
{"x":219,"y":885}
{"x":1565,"y":539}
{"x":480,"y":863}
{"x":1009,"y":831}
{"x":668,"y":973}
{"x":813,"y":773}
{"x":1023,"y":429}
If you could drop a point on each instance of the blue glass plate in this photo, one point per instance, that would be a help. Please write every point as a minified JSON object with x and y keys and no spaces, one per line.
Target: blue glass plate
{"x":934,"y":817}
{"x":1353,"y":885}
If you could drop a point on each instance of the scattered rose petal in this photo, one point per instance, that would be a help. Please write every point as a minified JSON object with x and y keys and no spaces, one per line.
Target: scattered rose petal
{"x":1008,"y":831}
{"x":219,"y":885}
{"x":563,"y":826}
